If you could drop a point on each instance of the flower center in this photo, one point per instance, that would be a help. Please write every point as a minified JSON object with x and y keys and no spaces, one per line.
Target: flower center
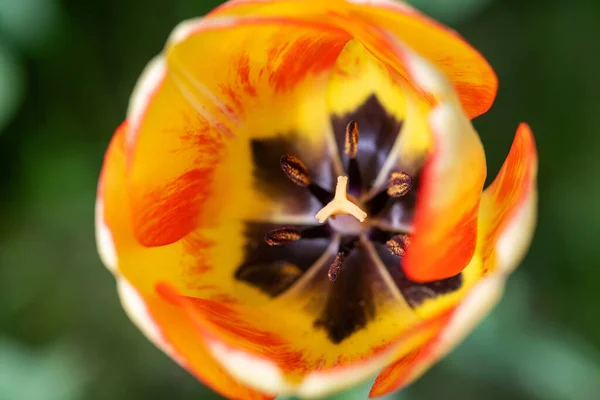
{"x":340,"y":249}
{"x":345,"y":216}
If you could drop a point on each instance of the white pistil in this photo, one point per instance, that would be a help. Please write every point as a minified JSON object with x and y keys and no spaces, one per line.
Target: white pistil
{"x":340,"y":204}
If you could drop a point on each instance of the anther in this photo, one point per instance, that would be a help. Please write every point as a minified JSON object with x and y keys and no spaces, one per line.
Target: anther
{"x":336,"y":266}
{"x":340,"y":204}
{"x":295,"y":170}
{"x":351,"y":148}
{"x":282,"y":236}
{"x":398,"y":244}
{"x":352,"y":136}
{"x":399,"y":184}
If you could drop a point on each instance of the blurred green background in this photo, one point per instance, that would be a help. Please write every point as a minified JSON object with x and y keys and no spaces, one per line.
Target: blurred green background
{"x":66,"y":71}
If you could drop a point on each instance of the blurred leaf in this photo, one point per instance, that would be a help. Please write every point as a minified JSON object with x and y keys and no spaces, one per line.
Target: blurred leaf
{"x":12,"y":84}
{"x":29,"y":23}
{"x":51,"y":374}
{"x":355,"y":393}
{"x":509,"y":346}
{"x":450,"y":11}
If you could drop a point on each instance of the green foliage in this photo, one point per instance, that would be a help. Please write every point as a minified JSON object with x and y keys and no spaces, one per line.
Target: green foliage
{"x":66,"y":71}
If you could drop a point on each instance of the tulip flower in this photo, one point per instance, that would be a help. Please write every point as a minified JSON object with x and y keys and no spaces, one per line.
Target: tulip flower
{"x":295,"y":202}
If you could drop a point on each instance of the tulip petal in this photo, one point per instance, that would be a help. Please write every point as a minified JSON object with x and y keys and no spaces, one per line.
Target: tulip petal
{"x":228,"y":331}
{"x":364,"y":90}
{"x":445,"y":221}
{"x":461,"y":321}
{"x":266,"y":360}
{"x":507,"y":219}
{"x":166,"y":326}
{"x":195,"y":125}
{"x":508,"y":205}
{"x":473,"y":78}
{"x":223,"y":230}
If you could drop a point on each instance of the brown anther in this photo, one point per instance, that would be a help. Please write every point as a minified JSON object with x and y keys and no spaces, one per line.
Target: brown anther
{"x":336,"y":267}
{"x":282,"y":236}
{"x":399,"y":184}
{"x":398,"y":244}
{"x":352,"y":136}
{"x":295,"y":170}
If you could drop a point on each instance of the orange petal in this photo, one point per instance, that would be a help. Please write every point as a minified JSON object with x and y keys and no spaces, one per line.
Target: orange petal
{"x":282,"y":346}
{"x":167,"y":191}
{"x":187,"y":116}
{"x":401,"y":372}
{"x":172,"y":331}
{"x":227,"y":329}
{"x":472,"y":77}
{"x":165,"y":325}
{"x":468,"y":71}
{"x":507,"y":219}
{"x":460,"y":322}
{"x":265,"y":360}
{"x":445,"y":222}
{"x":508,"y":205}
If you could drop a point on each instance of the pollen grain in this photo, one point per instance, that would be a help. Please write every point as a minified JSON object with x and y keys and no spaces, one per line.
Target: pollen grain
{"x":282,"y":236}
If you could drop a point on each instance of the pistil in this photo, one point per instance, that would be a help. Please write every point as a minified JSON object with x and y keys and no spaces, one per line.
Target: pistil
{"x":340,"y":204}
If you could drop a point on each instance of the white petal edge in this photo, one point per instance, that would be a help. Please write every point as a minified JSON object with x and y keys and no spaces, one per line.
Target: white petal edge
{"x":390,"y":4}
{"x":321,"y":384}
{"x":265,"y":375}
{"x":104,"y":239}
{"x":191,"y":26}
{"x":137,"y":311}
{"x":478,"y":304}
{"x":146,"y":86}
{"x":514,"y":241}
{"x":475,"y":307}
{"x":258,"y":373}
{"x":454,"y":135}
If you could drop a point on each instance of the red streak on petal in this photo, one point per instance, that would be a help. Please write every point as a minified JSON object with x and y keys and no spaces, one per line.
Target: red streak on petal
{"x":235,"y":98}
{"x":394,"y":376}
{"x":402,"y":372}
{"x":475,"y":99}
{"x":197,"y":247}
{"x":243,"y":69}
{"x":222,"y":321}
{"x":239,"y":89}
{"x":307,"y":55}
{"x":512,"y":186}
{"x":163,"y":214}
{"x":169,"y":213}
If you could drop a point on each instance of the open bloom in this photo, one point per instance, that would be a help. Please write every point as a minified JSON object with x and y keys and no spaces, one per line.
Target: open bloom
{"x":295,"y":201}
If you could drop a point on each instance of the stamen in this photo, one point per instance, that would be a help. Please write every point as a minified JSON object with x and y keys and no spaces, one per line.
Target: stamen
{"x":295,"y":170}
{"x":324,"y":196}
{"x":351,"y":148}
{"x":336,"y":266}
{"x":282,"y":236}
{"x":398,"y":244}
{"x":352,"y":136}
{"x":340,"y":204}
{"x":399,"y":184}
